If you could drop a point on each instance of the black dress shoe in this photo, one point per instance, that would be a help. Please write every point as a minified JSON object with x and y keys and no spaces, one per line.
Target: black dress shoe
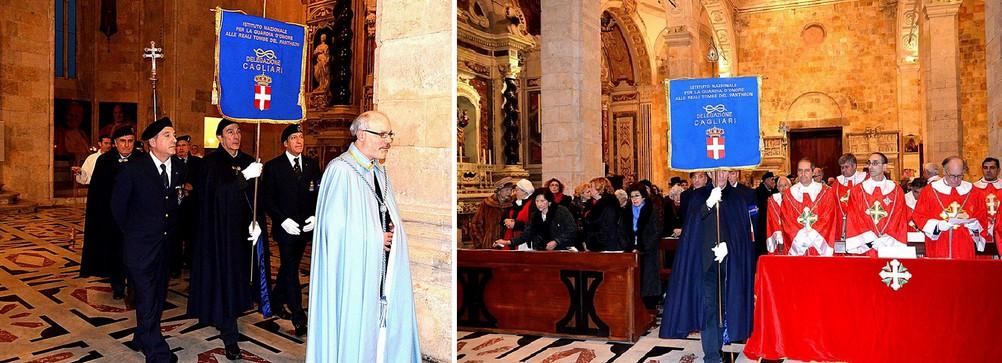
{"x":283,"y":313}
{"x":300,"y":329}
{"x":232,"y":352}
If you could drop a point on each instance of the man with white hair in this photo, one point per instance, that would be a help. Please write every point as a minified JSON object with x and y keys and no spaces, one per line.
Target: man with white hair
{"x":931,"y":172}
{"x":361,"y":299}
{"x":951,"y":213}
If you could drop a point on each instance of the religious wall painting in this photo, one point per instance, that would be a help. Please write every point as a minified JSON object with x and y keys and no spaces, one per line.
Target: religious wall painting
{"x":112,"y":115}
{"x":486,"y":118}
{"x":911,"y":143}
{"x":320,"y":68}
{"x":72,"y":142}
{"x":535,"y":144}
{"x":466,"y":132}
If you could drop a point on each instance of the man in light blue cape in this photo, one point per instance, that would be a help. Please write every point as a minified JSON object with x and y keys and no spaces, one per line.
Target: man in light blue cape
{"x":357,"y":312}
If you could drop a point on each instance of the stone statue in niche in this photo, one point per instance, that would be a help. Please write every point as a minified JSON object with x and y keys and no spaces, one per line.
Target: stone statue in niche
{"x":320,"y":69}
{"x":462,"y":120}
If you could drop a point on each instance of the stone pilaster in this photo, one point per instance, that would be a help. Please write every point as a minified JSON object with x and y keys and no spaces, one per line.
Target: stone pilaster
{"x":940,"y":67}
{"x":413,"y":85}
{"x":993,"y":56}
{"x":571,"y":90}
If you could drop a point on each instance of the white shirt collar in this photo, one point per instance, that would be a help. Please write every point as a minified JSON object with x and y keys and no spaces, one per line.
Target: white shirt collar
{"x":778,"y":197}
{"x":292,"y":159}
{"x":910,"y":200}
{"x":886,"y":186}
{"x":856,"y":178}
{"x":157,"y":162}
{"x":798,"y":190}
{"x":940,"y":186}
{"x":982,"y":183}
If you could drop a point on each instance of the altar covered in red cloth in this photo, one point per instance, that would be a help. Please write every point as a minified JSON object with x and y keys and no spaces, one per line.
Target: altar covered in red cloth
{"x":844,"y":309}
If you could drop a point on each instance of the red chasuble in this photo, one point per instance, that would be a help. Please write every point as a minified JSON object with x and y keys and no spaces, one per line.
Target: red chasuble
{"x":993,"y":199}
{"x":808,"y":219}
{"x":774,"y":225}
{"x":940,"y":202}
{"x":877,"y":215}
{"x":841,"y":187}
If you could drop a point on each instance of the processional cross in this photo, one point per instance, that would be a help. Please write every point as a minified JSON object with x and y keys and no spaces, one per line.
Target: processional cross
{"x":876,"y":212}
{"x":807,"y":218}
{"x":153,"y":53}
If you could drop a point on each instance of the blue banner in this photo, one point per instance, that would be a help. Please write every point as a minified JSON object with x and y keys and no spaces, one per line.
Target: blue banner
{"x":259,"y":68}
{"x":713,"y":123}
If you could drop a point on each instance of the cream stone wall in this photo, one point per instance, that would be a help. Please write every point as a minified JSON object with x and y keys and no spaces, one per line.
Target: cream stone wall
{"x":26,"y":75}
{"x":973,"y":83}
{"x":852,"y":73}
{"x":993,"y":47}
{"x":414,"y":83}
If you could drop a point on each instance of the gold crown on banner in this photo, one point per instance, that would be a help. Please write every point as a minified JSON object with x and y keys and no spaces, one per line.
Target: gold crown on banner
{"x":715,"y":132}
{"x":262,"y":79}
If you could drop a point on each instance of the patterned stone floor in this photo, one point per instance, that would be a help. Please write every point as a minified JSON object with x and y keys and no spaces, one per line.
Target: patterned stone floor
{"x":477,"y":347}
{"x":49,"y":314}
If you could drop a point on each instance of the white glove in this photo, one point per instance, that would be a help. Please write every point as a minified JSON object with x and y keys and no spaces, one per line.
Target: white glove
{"x":290,"y":226}
{"x":310,"y":224}
{"x":720,"y":252}
{"x":714,"y":198}
{"x":255,"y":232}
{"x":973,"y":226}
{"x":944,"y":226}
{"x":253,"y":170}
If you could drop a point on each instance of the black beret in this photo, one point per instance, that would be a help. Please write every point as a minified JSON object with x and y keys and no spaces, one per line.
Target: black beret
{"x":289,"y":130}
{"x":154,"y":128}
{"x":222,"y":125}
{"x":184,"y":138}
{"x":122,"y":131}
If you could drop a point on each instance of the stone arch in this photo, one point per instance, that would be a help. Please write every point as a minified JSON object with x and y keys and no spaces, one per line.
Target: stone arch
{"x":634,"y":40}
{"x":813,"y":109}
{"x":722,"y":22}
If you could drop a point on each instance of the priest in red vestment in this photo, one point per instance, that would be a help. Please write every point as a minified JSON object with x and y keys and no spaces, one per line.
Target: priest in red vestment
{"x":992,"y":187}
{"x":844,"y":182}
{"x":951,"y":213}
{"x":808,"y":215}
{"x":877,"y":216}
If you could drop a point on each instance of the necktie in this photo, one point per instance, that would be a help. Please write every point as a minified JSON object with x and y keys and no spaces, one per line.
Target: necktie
{"x":163,"y":176}
{"x":297,"y":169}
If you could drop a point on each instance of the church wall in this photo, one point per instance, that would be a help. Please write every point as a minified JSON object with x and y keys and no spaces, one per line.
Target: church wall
{"x":973,"y":84}
{"x":993,"y":47}
{"x":855,"y":65}
{"x":26,"y":73}
{"x":414,"y":86}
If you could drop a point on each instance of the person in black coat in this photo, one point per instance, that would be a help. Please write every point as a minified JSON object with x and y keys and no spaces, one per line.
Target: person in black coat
{"x":289,"y":189}
{"x":551,"y":227}
{"x":102,"y":249}
{"x":181,"y":249}
{"x":144,"y":205}
{"x":762,"y":193}
{"x":601,"y":225}
{"x":220,"y":289}
{"x":641,"y":232}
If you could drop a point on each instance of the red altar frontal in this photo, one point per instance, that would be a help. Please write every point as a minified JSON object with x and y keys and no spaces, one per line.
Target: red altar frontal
{"x":846,"y":309}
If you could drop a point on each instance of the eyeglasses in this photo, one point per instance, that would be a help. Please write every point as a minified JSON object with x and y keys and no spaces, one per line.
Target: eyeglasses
{"x":954,"y":176}
{"x":383,"y":135}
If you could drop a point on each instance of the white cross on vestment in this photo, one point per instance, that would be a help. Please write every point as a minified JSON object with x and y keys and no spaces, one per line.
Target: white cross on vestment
{"x":895,"y":275}
{"x":261,"y":96}
{"x":715,"y":147}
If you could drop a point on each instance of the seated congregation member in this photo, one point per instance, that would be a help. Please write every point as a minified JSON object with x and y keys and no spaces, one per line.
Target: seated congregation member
{"x":517,"y":217}
{"x":550,"y":228}
{"x":951,"y":213}
{"x":484,"y":227}
{"x":641,"y":231}
{"x":601,"y":225}
{"x":808,"y":214}
{"x":876,"y":214}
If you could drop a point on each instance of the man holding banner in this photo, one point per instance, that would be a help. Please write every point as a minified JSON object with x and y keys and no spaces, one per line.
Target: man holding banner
{"x":713,"y":273}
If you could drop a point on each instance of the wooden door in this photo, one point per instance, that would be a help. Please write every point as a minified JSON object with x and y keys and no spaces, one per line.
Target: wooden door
{"x":822,"y":146}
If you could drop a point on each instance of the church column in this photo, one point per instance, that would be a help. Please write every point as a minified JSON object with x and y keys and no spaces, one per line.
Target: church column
{"x":417,"y":95}
{"x":645,"y":154}
{"x":993,"y":45}
{"x":940,"y":65}
{"x":571,"y":96}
